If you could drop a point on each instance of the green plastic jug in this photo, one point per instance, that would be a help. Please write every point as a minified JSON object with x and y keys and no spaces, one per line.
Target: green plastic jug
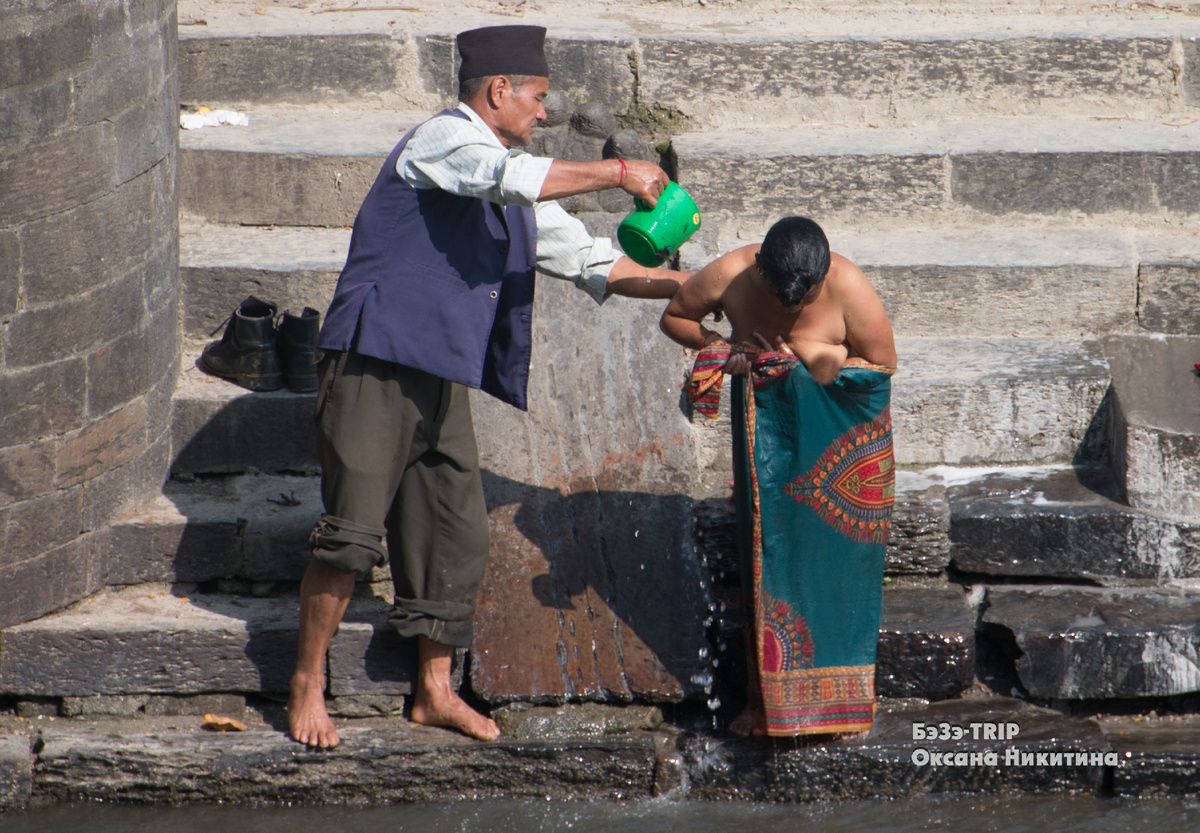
{"x":651,"y":235}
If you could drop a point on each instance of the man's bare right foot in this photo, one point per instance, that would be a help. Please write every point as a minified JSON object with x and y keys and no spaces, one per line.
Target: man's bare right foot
{"x":308,"y":721}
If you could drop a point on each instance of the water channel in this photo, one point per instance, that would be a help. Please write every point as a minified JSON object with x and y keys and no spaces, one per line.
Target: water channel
{"x":973,"y":814}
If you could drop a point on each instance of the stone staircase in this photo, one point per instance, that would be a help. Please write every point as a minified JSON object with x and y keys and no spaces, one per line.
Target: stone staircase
{"x":1024,"y":192}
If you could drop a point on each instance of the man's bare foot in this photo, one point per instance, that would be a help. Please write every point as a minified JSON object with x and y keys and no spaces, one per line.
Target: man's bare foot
{"x":437,"y":703}
{"x":750,"y":723}
{"x":308,"y":721}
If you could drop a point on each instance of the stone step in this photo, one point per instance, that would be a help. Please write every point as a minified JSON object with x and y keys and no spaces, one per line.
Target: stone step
{"x":1062,"y":523}
{"x":287,"y":167}
{"x":1169,"y":286}
{"x":1089,"y":643}
{"x":218,"y":427}
{"x":973,"y":169}
{"x":221,"y":265}
{"x":249,"y":528}
{"x":1156,"y":396}
{"x":990,"y":280}
{"x":969,"y":400}
{"x":926,"y":643}
{"x":150,"y":640}
{"x":795,"y":68}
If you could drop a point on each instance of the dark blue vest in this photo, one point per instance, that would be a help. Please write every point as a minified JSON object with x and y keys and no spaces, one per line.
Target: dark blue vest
{"x":438,"y":282}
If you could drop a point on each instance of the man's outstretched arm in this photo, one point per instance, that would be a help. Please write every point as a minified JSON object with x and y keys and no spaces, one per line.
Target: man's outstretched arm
{"x":636,"y":281}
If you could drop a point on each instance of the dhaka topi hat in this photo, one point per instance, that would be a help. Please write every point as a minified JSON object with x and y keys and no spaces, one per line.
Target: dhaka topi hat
{"x":503,"y":50}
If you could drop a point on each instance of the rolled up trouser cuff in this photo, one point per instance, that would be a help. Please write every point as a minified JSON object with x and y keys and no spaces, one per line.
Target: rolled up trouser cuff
{"x":350,"y":547}
{"x":446,"y":623}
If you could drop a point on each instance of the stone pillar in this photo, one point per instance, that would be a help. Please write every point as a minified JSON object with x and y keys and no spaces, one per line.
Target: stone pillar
{"x":89,"y":332}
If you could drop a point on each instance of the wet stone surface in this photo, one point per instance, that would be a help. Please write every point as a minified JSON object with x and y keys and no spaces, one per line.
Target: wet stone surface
{"x":586,"y":720}
{"x":1093,"y":643}
{"x":882,"y":766}
{"x":1064,"y":523}
{"x":16,"y":772}
{"x":926,"y":643}
{"x":1157,"y":759}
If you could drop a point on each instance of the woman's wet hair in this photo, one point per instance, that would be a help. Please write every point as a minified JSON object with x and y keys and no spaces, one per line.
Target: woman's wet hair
{"x":794,"y":258}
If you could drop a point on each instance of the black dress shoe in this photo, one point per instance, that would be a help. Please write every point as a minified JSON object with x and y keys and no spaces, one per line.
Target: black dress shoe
{"x":298,"y":347}
{"x":247,"y":353}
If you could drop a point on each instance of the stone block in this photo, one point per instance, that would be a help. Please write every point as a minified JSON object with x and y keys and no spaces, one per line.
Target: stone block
{"x":170,"y":705}
{"x":102,"y":445}
{"x":368,"y":658}
{"x":1157,"y":410}
{"x":120,"y":490}
{"x":26,"y":471}
{"x":48,"y":582}
{"x":298,"y":69}
{"x":926,"y":643}
{"x":1176,"y":180}
{"x":136,"y":360}
{"x":370,"y":766}
{"x":72,"y":253}
{"x":218,"y":427}
{"x":265,"y":189}
{"x":765,"y":175}
{"x":57,"y":173}
{"x":593,"y":589}
{"x":71,"y":326}
{"x":33,"y":114}
{"x":1191,"y":70}
{"x":159,"y":542}
{"x":46,"y":45}
{"x":119,"y":81}
{"x":16,"y":772}
{"x":1063,"y":523}
{"x":1055,"y":183}
{"x":220,"y":266}
{"x":881,"y":764}
{"x":10,"y":275}
{"x":1169,"y":297}
{"x":46,"y":400}
{"x":960,"y":400}
{"x":140,"y":641}
{"x":105,"y":705}
{"x":1084,"y":643}
{"x":595,"y":69}
{"x":35,"y":526}
{"x":365,"y":705}
{"x":736,"y":77}
{"x":919,"y":542}
{"x":149,"y":136}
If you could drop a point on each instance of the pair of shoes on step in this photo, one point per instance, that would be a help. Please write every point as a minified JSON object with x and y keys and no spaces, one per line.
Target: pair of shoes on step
{"x":260,"y":353}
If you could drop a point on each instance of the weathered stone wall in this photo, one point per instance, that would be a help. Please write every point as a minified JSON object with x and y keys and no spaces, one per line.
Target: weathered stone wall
{"x":89,"y":332}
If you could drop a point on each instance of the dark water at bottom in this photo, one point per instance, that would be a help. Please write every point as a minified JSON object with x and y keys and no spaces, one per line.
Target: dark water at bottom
{"x":1024,"y":814}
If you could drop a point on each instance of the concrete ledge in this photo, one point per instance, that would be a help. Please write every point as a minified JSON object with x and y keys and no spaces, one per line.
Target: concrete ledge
{"x":1080,"y":643}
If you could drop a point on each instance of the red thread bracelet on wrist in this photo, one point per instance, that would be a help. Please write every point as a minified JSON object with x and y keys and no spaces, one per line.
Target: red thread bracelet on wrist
{"x":621,"y":181}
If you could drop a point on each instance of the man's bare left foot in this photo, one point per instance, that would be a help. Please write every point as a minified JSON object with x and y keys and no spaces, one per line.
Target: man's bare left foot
{"x":452,"y":711}
{"x":436,"y":703}
{"x":308,"y":721}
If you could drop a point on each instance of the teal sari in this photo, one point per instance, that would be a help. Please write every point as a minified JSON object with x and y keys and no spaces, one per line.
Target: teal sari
{"x":814,"y":487}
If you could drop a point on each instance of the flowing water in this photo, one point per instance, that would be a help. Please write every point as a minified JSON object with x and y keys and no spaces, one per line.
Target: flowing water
{"x":1023,"y":814}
